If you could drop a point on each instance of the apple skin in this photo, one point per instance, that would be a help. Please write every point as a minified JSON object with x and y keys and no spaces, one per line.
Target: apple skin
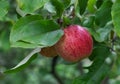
{"x":48,"y":51}
{"x":75,"y":44}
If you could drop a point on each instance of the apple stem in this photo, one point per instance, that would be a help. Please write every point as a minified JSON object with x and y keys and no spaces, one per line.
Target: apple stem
{"x":53,"y":70}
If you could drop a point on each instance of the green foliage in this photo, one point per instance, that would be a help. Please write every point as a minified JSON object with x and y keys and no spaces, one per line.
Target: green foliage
{"x":25,"y":62}
{"x":4,"y":5}
{"x":58,"y":6}
{"x":35,"y":24}
{"x":102,"y":34}
{"x":115,"y":16}
{"x":96,"y":73}
{"x":29,"y":6}
{"x":91,"y":6}
{"x":89,"y":21}
{"x":103,"y":14}
{"x":82,"y":5}
{"x":99,"y":3}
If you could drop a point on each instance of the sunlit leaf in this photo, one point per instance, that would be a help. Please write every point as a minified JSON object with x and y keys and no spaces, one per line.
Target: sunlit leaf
{"x":50,"y":8}
{"x":35,"y":31}
{"x":29,"y":6}
{"x":91,"y":6}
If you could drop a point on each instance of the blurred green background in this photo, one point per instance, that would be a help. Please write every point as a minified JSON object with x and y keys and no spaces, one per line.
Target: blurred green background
{"x":39,"y":72}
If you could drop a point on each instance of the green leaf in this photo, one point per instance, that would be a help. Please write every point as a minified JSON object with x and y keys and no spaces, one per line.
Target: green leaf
{"x":99,"y":3}
{"x":50,"y":8}
{"x":17,"y":32}
{"x":82,"y":6}
{"x":89,"y":21}
{"x":103,"y":14}
{"x":101,"y":34}
{"x":76,"y":20}
{"x":66,"y":21}
{"x":99,"y":68}
{"x":91,"y":6}
{"x":116,"y":16}
{"x":24,"y":44}
{"x":59,"y":6}
{"x":25,"y":62}
{"x":48,"y":38}
{"x":66,"y":3}
{"x":32,"y":31}
{"x":3,"y":8}
{"x":29,"y":6}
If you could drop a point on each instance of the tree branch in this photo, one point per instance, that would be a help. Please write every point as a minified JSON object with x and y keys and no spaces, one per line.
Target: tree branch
{"x":53,"y":71}
{"x":105,"y":80}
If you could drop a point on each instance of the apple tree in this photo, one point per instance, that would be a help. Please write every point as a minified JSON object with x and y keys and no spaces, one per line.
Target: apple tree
{"x":42,"y":27}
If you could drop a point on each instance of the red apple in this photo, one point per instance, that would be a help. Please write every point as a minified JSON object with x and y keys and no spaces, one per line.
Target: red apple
{"x":48,"y":51}
{"x":75,"y":44}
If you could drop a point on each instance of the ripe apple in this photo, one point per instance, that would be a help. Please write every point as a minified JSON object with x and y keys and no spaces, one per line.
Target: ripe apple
{"x":75,"y":44}
{"x":48,"y":51}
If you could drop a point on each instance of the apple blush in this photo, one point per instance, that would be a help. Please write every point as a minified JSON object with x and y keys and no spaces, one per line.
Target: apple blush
{"x":75,"y":45}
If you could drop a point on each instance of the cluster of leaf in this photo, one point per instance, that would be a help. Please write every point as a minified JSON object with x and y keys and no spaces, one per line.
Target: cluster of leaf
{"x":38,"y":23}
